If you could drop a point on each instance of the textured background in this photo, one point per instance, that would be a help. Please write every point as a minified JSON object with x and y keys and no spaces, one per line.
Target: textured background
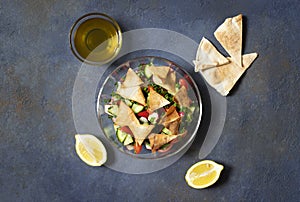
{"x":260,"y":142}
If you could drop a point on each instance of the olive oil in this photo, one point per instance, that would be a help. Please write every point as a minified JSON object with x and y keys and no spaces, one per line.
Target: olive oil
{"x":97,"y":40}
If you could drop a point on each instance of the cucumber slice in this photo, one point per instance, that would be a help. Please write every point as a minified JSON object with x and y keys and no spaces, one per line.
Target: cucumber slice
{"x":121,"y":135}
{"x":116,"y":127}
{"x":128,"y":140}
{"x":148,"y":73}
{"x":137,"y":108}
{"x":111,"y":110}
{"x":128,"y":102}
{"x":166,"y":131}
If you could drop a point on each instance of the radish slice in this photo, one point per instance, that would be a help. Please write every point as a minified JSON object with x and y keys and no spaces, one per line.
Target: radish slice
{"x":153,"y":117}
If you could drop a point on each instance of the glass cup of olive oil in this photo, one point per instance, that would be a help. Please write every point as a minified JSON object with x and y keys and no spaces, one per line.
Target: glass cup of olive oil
{"x":95,"y":38}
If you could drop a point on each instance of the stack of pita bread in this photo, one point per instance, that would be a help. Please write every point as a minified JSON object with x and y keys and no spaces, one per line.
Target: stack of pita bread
{"x":223,"y":72}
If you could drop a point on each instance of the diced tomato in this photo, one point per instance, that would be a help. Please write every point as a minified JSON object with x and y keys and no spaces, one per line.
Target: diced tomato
{"x":126,"y":129}
{"x":143,"y":114}
{"x":150,"y":87}
{"x":137,"y":148}
{"x":183,"y":82}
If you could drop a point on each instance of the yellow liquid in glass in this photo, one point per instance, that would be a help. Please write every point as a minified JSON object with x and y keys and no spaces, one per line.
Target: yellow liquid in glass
{"x":96,"y":40}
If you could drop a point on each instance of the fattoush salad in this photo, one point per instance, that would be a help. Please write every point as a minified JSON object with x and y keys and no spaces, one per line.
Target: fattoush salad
{"x":150,"y":108}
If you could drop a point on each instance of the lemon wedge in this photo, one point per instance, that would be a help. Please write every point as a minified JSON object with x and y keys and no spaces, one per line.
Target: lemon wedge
{"x":90,"y":149}
{"x":203,"y":174}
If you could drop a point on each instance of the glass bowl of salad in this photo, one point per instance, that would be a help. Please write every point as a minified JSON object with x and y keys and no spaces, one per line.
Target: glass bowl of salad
{"x":149,"y":108}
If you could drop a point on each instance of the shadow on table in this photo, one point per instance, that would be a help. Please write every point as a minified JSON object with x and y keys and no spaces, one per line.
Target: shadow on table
{"x":224,"y":177}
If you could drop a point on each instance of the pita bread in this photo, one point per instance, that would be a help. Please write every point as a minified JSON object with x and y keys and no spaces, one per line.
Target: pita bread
{"x":140,"y":131}
{"x":174,"y":126}
{"x":132,"y":79}
{"x":170,"y":116}
{"x":223,"y":78}
{"x":182,"y":97}
{"x":160,"y":71}
{"x":208,"y":56}
{"x":168,"y":83}
{"x":125,"y":116}
{"x":229,"y":34}
{"x":157,"y":80}
{"x":134,"y":93}
{"x":155,"y":100}
{"x":158,"y":140}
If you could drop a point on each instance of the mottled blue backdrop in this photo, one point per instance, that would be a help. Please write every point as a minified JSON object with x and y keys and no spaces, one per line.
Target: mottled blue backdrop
{"x":260,"y":143}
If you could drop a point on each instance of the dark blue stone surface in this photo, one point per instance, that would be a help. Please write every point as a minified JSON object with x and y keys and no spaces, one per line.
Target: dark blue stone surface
{"x":260,"y":143}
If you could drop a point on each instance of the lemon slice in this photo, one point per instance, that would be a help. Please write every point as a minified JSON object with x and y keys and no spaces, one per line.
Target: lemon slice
{"x":203,"y":174}
{"x":90,"y":149}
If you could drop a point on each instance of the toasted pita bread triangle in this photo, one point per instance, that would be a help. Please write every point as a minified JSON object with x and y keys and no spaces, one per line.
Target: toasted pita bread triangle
{"x":140,"y":131}
{"x":158,"y":140}
{"x":170,"y":116}
{"x":132,"y":79}
{"x":125,"y":116}
{"x":160,"y":71}
{"x":157,"y":80}
{"x":134,"y":93}
{"x":155,"y":100}
{"x":168,"y":83}
{"x":229,"y":34}
{"x":208,"y":56}
{"x":223,"y":78}
{"x":173,"y":127}
{"x":182,"y":97}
